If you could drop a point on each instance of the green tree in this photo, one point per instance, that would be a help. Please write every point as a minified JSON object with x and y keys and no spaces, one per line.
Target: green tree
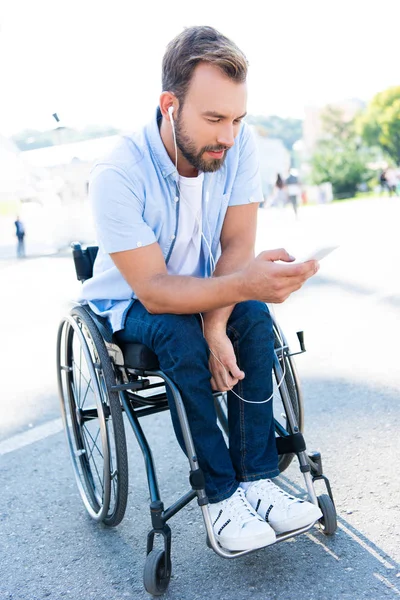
{"x":380,"y":124}
{"x":340,"y":157}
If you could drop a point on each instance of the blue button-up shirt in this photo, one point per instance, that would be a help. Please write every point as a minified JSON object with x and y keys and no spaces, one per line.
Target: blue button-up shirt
{"x":135,"y":202}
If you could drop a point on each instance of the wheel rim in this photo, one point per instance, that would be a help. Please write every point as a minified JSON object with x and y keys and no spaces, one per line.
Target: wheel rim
{"x":85,"y":415}
{"x":289,"y":381}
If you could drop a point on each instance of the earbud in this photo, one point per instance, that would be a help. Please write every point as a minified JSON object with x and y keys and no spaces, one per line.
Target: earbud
{"x":170,"y":112}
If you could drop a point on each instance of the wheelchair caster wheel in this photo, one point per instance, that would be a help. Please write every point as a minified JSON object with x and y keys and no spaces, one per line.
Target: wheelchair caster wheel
{"x":328,"y":521}
{"x":157,"y":573}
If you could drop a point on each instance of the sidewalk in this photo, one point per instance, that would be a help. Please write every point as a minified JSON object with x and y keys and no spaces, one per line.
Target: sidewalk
{"x":350,"y":378}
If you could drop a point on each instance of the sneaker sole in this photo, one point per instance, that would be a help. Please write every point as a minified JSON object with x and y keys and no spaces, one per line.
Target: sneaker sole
{"x":299,"y":523}
{"x":247,"y":543}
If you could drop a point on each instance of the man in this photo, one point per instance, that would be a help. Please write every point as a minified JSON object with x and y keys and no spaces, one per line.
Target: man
{"x":392,"y":181}
{"x":293,"y":190}
{"x":175,"y":209}
{"x":20,"y":233}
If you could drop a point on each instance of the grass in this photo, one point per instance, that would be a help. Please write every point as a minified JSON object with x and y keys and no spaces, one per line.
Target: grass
{"x":9,"y":208}
{"x":358,"y":196}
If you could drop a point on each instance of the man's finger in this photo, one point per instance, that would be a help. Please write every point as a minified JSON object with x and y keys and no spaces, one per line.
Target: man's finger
{"x":234,"y":370}
{"x":225,"y":379}
{"x":277,"y":254}
{"x":214,"y":385}
{"x":301,"y":270}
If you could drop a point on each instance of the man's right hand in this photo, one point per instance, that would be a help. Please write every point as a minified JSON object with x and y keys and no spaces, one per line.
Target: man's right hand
{"x":269,"y":281}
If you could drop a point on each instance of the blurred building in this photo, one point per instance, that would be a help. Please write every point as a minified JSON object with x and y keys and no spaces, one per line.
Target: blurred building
{"x":48,"y":188}
{"x":274,"y":159}
{"x":72,"y":163}
{"x":69,"y":166}
{"x":15,"y":176}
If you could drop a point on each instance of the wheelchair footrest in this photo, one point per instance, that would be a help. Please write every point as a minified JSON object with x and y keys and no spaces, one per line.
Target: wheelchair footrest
{"x":290,"y":444}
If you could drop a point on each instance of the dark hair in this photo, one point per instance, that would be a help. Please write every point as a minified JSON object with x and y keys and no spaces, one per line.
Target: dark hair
{"x":195,"y":45}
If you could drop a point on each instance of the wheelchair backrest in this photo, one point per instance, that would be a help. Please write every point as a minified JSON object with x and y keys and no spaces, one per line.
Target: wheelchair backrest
{"x":84,"y":260}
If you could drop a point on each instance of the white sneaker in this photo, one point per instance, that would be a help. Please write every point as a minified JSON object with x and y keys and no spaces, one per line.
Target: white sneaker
{"x":237,"y":526}
{"x":282,"y":511}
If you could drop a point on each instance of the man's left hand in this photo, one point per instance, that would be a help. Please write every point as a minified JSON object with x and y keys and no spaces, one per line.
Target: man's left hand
{"x":226,"y":375}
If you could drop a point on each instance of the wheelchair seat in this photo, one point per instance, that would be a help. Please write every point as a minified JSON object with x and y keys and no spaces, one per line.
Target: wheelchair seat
{"x":139,"y":356}
{"x":136,"y":356}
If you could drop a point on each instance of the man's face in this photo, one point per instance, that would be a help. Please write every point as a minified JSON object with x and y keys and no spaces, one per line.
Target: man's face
{"x":209,"y":120}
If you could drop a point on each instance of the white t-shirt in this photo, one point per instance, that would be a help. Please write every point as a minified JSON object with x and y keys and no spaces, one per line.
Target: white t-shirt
{"x":186,"y":254}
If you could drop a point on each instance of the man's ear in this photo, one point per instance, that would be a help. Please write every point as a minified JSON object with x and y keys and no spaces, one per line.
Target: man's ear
{"x":168,"y":100}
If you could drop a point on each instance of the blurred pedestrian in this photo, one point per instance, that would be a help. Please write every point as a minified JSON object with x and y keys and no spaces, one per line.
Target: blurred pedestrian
{"x":382,"y":181}
{"x":20,"y":233}
{"x":280,"y":195}
{"x":293,"y":190}
{"x":392,"y":181}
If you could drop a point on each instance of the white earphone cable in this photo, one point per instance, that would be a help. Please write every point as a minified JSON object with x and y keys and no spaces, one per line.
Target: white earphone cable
{"x":212,"y":264}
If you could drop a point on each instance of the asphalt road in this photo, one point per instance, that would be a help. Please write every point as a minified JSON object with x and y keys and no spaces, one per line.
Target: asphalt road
{"x":350,"y":313}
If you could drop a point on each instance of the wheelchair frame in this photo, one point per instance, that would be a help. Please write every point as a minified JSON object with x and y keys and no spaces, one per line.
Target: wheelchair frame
{"x":290,"y":440}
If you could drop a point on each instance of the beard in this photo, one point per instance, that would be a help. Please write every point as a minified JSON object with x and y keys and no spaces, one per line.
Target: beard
{"x":194,"y":156}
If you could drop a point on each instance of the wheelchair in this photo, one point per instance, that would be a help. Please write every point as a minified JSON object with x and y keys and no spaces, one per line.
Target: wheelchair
{"x":100,"y":381}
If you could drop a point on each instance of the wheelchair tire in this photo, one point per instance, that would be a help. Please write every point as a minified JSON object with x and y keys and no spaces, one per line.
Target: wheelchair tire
{"x":289,"y":386}
{"x":328,"y":521}
{"x":92,"y":417}
{"x":156,"y":575}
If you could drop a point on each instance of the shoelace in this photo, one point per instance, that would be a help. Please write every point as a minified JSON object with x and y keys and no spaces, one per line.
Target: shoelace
{"x":276,"y":494}
{"x":241,"y":508}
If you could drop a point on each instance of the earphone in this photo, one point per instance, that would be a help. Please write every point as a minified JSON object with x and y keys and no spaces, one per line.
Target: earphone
{"x":170,"y":112}
{"x":213,"y":265}
{"x":212,"y":262}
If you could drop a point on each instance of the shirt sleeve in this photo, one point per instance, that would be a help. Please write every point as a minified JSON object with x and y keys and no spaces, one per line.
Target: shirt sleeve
{"x":247,"y":184}
{"x":117,"y":211}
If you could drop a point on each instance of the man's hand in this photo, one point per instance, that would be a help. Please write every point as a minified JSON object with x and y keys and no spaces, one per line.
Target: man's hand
{"x":226,"y":375}
{"x":273,"y":282}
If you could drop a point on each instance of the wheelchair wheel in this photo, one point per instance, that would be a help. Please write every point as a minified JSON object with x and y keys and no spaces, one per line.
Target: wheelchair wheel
{"x":288,"y":390}
{"x":328,"y":521}
{"x":92,"y":417}
{"x":156,"y":573}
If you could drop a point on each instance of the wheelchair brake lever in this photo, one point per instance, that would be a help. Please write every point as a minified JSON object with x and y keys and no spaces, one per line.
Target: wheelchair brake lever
{"x":300,"y":337}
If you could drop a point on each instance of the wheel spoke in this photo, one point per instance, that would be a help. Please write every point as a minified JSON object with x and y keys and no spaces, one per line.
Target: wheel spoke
{"x":89,"y":387}
{"x":79,"y":368}
{"x":93,"y":440}
{"x":91,"y":456}
{"x":88,"y":384}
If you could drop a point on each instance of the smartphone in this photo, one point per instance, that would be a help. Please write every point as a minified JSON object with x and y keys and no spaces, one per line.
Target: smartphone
{"x":318,"y":254}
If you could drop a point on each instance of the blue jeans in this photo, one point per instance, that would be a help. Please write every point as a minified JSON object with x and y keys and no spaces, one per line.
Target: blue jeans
{"x":183,"y":355}
{"x":20,"y":247}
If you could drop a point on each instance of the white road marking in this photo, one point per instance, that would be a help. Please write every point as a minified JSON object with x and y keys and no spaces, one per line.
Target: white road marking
{"x":387,"y":583}
{"x":327,"y":550}
{"x":31,"y":436}
{"x":347,"y":531}
{"x":366,"y":547}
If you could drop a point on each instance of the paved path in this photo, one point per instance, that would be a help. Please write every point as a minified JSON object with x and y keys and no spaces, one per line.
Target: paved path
{"x":351,"y":316}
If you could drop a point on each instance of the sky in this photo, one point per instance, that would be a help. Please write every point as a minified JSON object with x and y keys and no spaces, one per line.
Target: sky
{"x":99,"y":62}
